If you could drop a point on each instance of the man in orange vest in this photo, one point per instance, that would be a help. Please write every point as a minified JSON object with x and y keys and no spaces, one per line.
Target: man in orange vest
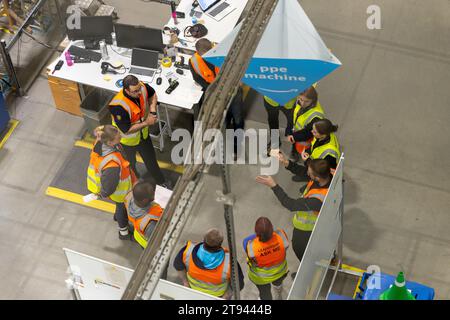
{"x":307,"y":207}
{"x":266,"y":258}
{"x":206,"y":266}
{"x":143,"y":212}
{"x":204,"y":73}
{"x":133,"y":110}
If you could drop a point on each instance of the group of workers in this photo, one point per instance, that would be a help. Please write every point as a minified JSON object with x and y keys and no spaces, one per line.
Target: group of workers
{"x":206,"y":266}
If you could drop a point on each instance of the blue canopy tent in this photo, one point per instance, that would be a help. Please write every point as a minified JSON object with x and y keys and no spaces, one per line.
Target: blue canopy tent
{"x":290,"y":57}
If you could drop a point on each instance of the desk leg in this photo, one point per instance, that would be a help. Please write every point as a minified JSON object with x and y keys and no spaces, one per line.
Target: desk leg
{"x":81,"y":91}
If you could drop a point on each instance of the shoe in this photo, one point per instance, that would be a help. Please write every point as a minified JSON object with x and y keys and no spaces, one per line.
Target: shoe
{"x":297,"y":178}
{"x":124,"y":237}
{"x":293,"y":274}
{"x":167,"y":185}
{"x":278,"y":290}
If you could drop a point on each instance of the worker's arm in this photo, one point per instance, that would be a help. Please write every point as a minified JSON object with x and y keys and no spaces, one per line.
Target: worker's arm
{"x":300,"y":204}
{"x":178,"y":264}
{"x":296,"y":168}
{"x":305,"y":134}
{"x":152,"y":97}
{"x":123,"y":121}
{"x":149,"y":230}
{"x":109,"y":180}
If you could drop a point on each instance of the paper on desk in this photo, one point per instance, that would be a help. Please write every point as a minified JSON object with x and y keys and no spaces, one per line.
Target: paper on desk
{"x":162,"y":196}
{"x":90,"y":197}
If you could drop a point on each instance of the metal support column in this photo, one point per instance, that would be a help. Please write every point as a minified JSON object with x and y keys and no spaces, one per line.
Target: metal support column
{"x":10,"y":68}
{"x":228,"y":202}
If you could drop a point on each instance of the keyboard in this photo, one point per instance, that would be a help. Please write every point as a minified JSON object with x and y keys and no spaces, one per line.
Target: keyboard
{"x":142,"y":72}
{"x":218,"y":9}
{"x":85,"y":54}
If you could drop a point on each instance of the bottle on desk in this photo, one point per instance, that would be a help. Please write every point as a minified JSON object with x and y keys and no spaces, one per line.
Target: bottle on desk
{"x":104,"y":50}
{"x":69,"y":60}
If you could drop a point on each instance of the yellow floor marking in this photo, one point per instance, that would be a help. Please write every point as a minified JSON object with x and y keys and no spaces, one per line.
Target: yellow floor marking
{"x":78,"y":198}
{"x":13,"y":124}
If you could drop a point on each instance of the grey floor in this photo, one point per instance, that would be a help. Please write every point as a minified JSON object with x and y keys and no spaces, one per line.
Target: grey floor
{"x":390,"y":99}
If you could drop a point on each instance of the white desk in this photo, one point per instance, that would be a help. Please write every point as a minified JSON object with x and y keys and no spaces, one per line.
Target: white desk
{"x":217,"y":30}
{"x":184,"y":96}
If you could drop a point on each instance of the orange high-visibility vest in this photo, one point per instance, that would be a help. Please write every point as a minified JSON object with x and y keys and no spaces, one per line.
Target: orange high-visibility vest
{"x":98,"y":163}
{"x":201,"y":68}
{"x":267,"y":260}
{"x":154,"y":213}
{"x":137,"y":113}
{"x":214,"y":282}
{"x":305,"y":220}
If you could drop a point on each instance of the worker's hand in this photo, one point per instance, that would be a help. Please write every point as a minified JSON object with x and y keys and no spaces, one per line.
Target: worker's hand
{"x":283,"y":160}
{"x":266,"y":180}
{"x":305,"y":155}
{"x":151,"y":119}
{"x":290,"y":138}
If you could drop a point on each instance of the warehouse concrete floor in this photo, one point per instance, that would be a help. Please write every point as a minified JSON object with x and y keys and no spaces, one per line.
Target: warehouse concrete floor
{"x":390,"y":99}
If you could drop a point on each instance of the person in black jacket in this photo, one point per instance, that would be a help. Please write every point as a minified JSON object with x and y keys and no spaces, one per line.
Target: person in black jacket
{"x":320,"y":174}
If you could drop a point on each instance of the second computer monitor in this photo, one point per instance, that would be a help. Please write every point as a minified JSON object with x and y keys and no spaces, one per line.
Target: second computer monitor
{"x":128,"y":36}
{"x":93,"y":28}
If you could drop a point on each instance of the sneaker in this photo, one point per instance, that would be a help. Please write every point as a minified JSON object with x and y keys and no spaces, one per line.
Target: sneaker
{"x":124,"y":236}
{"x":278,"y":290}
{"x":167,"y":185}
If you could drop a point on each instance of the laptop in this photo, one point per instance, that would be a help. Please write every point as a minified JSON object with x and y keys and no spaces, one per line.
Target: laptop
{"x":144,"y":62}
{"x":216,"y":9}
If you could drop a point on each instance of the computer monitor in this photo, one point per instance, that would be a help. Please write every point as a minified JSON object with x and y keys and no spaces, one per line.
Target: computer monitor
{"x":93,"y":29}
{"x":144,"y":58}
{"x":128,"y":36}
{"x":206,"y":4}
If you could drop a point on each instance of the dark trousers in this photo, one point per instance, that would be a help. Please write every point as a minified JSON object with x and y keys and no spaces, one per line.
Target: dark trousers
{"x":147,"y":152}
{"x":299,"y":242}
{"x":265,"y":290}
{"x":235,"y":116}
{"x":121,"y":215}
{"x":273,"y":117}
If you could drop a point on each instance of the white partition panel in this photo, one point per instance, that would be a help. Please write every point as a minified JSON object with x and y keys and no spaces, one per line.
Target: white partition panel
{"x":324,"y":239}
{"x":95,"y":279}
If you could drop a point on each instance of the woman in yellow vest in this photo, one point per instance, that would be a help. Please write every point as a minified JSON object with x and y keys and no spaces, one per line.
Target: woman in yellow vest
{"x":306,"y":112}
{"x":325,"y":144}
{"x":308,"y":206}
{"x":266,"y":258}
{"x":109,"y":174}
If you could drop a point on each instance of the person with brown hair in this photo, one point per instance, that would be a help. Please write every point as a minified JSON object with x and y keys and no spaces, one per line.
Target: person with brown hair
{"x":325,"y":144}
{"x":266,"y":258}
{"x":307,"y":207}
{"x":109,"y":174}
{"x":307,"y":111}
{"x":203,"y":72}
{"x":206,"y":266}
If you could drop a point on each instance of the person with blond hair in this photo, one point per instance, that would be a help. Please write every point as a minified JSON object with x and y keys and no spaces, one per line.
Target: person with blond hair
{"x":109,"y":174}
